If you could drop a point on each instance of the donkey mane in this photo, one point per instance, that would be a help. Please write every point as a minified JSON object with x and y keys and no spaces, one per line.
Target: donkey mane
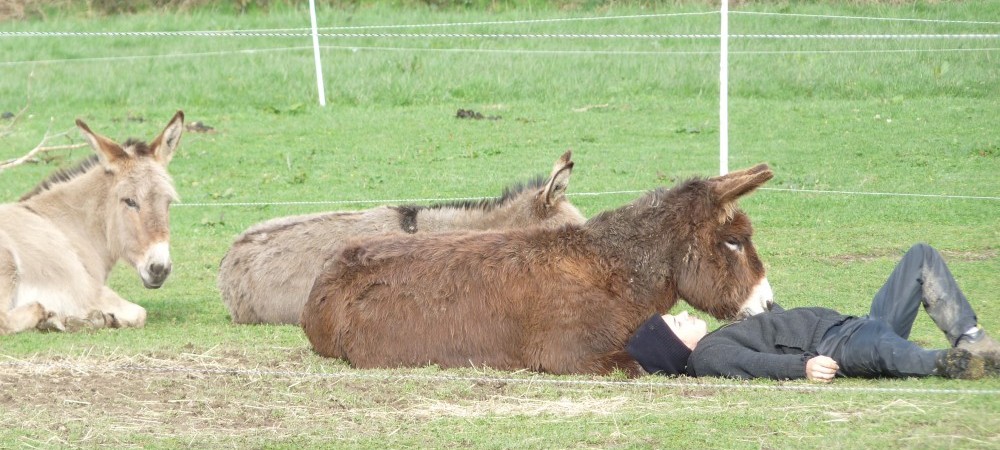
{"x":486,"y":204}
{"x":408,"y":213}
{"x":138,"y":148}
{"x":62,"y":176}
{"x":650,"y":202}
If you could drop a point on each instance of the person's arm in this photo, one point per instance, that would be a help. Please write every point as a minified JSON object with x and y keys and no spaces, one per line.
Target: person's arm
{"x":727,"y":358}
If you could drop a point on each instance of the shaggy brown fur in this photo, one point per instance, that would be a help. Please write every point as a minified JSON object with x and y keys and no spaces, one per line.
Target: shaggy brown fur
{"x":266,"y":275}
{"x":560,"y":300}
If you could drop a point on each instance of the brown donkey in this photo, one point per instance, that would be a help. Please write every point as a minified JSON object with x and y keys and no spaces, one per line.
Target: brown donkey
{"x":559,"y":300}
{"x":60,"y":241}
{"x":266,"y":275}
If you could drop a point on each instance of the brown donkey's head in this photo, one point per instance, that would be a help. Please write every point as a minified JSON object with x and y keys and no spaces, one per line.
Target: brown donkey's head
{"x":720,"y":271}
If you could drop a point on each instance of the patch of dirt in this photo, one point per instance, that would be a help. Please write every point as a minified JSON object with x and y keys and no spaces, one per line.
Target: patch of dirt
{"x":88,"y":401}
{"x":199,"y":127}
{"x":865,"y":257}
{"x":949,"y":255}
{"x":982,"y":255}
{"x":470,"y":114}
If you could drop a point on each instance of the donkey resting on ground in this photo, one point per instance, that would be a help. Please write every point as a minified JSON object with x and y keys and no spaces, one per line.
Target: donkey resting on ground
{"x":560,"y":300}
{"x":60,"y":241}
{"x":266,"y":275}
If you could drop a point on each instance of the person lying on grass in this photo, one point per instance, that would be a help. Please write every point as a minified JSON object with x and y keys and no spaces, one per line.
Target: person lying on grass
{"x":819,"y":343}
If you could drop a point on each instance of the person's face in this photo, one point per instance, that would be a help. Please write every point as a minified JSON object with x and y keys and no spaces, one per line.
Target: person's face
{"x":689,"y":329}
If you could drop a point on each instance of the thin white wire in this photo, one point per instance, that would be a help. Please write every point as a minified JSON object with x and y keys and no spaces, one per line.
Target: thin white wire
{"x":366,"y":375}
{"x":575,"y":194}
{"x":650,"y":52}
{"x":4,"y":34}
{"x":889,"y":19}
{"x":868,"y":36}
{"x":341,"y":35}
{"x":888,"y":194}
{"x":583,"y":19}
{"x":468,"y":24}
{"x":825,"y":52}
{"x":523,"y":22}
{"x":8,"y":34}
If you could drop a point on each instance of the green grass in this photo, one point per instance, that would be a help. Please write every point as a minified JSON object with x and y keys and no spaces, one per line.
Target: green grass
{"x":901,"y":122}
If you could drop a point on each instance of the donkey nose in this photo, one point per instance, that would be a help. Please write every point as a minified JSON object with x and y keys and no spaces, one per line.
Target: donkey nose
{"x":159,"y":271}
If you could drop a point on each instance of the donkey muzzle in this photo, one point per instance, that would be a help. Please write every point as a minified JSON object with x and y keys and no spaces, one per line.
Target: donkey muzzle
{"x":158,"y":273}
{"x":761,"y":300}
{"x":156,"y":266}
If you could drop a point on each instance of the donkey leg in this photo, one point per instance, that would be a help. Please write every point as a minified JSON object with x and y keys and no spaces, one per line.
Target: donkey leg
{"x":94,"y":320}
{"x":24,"y":317}
{"x":118,"y":312}
{"x":618,"y":360}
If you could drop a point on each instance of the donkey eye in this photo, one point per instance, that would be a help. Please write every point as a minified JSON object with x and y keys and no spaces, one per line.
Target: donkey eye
{"x":130,"y":202}
{"x":734,"y":245}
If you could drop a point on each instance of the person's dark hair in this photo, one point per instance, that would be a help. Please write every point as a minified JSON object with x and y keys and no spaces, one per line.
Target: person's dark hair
{"x":657,"y":349}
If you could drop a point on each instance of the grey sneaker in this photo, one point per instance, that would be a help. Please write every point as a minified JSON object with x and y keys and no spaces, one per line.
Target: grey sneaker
{"x":962,"y":364}
{"x":982,"y":344}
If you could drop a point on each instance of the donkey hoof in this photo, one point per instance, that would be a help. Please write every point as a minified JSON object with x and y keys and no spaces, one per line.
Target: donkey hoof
{"x":51,"y":323}
{"x":112,"y":321}
{"x":100,"y":319}
{"x":76,"y":324}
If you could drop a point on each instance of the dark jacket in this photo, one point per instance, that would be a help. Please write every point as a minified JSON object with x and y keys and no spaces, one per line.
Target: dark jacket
{"x":774,"y":345}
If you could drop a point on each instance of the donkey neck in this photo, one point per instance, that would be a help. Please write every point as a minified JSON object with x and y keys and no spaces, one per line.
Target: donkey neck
{"x":78,"y":208}
{"x":639,"y":238}
{"x":629,"y":228}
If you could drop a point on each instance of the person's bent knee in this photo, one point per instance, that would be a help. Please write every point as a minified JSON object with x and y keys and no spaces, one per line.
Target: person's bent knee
{"x":921,"y":251}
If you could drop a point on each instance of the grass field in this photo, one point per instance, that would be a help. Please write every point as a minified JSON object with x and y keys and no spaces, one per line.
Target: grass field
{"x":876,"y":144}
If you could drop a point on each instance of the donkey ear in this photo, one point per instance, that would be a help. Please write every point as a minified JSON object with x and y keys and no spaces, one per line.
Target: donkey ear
{"x":107,"y":150}
{"x":739,"y":173}
{"x":558,"y":181}
{"x":166,"y":143}
{"x":728,"y":188}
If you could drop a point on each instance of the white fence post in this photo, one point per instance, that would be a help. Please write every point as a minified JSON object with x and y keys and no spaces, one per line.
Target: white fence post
{"x":724,"y":89}
{"x":319,"y":65}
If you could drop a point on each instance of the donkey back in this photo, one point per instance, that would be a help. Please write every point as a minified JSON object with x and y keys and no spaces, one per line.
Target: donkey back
{"x":266,"y":275}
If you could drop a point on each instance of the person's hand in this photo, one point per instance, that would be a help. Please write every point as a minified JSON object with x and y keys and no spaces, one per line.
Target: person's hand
{"x":821,"y":369}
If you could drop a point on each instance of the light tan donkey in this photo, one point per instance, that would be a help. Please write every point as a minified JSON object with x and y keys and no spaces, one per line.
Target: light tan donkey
{"x":266,"y":275}
{"x":59,"y":242}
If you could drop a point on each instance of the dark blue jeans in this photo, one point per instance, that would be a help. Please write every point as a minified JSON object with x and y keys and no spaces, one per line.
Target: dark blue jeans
{"x":877,"y":345}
